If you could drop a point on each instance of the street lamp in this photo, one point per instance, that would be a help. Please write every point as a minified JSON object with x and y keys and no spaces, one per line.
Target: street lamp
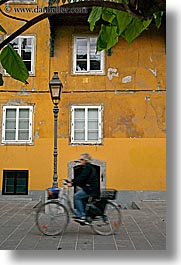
{"x":55,"y":86}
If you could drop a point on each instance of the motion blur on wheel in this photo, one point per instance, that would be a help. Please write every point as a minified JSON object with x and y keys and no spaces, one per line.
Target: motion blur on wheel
{"x":110,"y":222}
{"x":52,"y":218}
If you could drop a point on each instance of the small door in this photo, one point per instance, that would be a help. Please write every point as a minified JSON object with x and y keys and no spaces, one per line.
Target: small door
{"x":99,"y":165}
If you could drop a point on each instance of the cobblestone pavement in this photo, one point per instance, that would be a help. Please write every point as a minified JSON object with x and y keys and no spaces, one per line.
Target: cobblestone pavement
{"x":143,"y":229}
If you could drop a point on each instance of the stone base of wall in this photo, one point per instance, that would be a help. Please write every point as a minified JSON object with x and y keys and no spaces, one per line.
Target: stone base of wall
{"x":124,"y":198}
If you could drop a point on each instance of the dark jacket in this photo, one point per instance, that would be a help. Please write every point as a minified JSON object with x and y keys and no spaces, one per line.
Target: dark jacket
{"x":87,"y":179}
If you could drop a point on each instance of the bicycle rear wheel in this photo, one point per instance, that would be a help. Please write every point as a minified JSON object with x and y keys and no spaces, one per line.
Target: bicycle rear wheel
{"x":52,"y":218}
{"x":110,"y":222}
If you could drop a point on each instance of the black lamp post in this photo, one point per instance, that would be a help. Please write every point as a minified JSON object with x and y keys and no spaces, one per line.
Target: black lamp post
{"x":55,"y":86}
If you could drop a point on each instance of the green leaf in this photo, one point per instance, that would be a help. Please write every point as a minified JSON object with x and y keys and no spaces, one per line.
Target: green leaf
{"x":158,"y":18}
{"x":1,"y":80}
{"x":2,"y":29}
{"x":94,"y":16}
{"x":123,"y":20}
{"x":134,"y":29}
{"x":107,"y":38}
{"x":13,"y":64}
{"x":108,"y":15}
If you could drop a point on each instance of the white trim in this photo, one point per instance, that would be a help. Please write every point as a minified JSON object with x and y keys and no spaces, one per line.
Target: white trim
{"x":88,"y":71}
{"x":100,"y":124}
{"x":30,"y":118}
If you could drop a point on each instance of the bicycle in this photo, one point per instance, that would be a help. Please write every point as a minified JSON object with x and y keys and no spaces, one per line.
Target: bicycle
{"x":102,"y":215}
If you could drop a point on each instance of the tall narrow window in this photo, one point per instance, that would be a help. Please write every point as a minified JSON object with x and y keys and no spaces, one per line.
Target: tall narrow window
{"x":15,"y":182}
{"x":17,"y":124}
{"x":86,"y":58}
{"x":24,"y":46}
{"x":86,"y":124}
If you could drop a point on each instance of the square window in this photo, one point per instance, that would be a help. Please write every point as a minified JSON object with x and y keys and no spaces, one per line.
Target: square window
{"x":17,"y":124}
{"x":86,"y":124}
{"x":25,"y":47}
{"x":15,"y":182}
{"x":87,"y":60}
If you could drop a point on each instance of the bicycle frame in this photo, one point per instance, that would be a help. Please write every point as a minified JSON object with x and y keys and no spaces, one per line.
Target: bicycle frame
{"x":53,"y":216}
{"x":64,"y":198}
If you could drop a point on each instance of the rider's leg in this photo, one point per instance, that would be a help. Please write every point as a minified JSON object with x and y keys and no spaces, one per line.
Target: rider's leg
{"x":78,"y":196}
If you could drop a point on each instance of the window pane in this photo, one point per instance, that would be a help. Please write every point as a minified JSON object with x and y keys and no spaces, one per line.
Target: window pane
{"x":26,"y":55}
{"x":21,"y":185}
{"x":21,"y":181}
{"x":93,"y":125}
{"x":24,"y":124}
{"x":9,"y":189}
{"x":79,"y":125}
{"x":81,"y":65}
{"x":9,"y":184}
{"x":93,"y":135}
{"x":81,"y":54}
{"x":28,"y":65}
{"x":11,"y":113}
{"x":21,"y":189}
{"x":93,"y":42}
{"x":95,"y":65}
{"x":26,"y":43}
{"x":14,"y":43}
{"x":9,"y":181}
{"x":10,"y":135}
{"x":24,"y":113}
{"x":79,"y":135}
{"x":92,"y":113}
{"x":95,"y":57}
{"x":23,"y":135}
{"x":79,"y":114}
{"x":10,"y":124}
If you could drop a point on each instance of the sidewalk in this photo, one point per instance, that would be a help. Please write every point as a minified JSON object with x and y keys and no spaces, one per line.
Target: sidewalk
{"x":143,"y":229}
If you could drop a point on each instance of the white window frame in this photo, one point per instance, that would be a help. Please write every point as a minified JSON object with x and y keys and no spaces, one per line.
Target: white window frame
{"x":100,"y":125}
{"x":88,"y":71}
{"x":16,"y":140}
{"x":32,"y":72}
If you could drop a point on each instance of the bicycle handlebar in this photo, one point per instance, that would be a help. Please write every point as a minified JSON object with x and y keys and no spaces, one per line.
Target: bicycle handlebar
{"x":65,"y":181}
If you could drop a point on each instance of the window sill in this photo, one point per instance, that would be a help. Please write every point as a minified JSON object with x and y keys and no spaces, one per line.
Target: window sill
{"x":30,"y":75}
{"x":88,"y":73}
{"x":86,"y":143}
{"x":18,"y":143}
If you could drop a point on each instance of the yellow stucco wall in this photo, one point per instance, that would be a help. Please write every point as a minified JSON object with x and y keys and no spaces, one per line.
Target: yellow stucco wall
{"x":131,"y":164}
{"x":134,"y":123}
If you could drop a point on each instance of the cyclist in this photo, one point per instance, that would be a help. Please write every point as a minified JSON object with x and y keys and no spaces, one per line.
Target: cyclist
{"x":88,"y":184}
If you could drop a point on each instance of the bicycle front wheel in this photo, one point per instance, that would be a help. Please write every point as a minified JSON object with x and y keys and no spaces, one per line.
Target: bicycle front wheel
{"x":110,"y":222}
{"x":52,"y":218}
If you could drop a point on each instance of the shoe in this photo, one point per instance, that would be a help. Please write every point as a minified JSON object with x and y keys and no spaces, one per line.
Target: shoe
{"x":80,"y":220}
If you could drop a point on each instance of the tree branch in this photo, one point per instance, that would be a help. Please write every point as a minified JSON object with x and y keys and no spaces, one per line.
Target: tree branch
{"x":29,"y":24}
{"x":12,"y":17}
{"x":146,"y":7}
